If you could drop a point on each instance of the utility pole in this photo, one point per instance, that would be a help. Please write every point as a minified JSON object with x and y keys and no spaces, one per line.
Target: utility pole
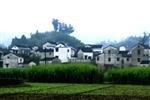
{"x":149,"y":49}
{"x":45,"y":55}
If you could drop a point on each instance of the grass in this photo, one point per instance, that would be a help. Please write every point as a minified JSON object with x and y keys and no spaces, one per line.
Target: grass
{"x":90,"y":89}
{"x":131,"y":90}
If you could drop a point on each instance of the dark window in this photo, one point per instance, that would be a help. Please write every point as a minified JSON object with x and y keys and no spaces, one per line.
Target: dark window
{"x":68,"y":50}
{"x":56,"y":49}
{"x":138,"y":59}
{"x":97,"y":58}
{"x":139,"y":52}
{"x":20,"y":60}
{"x":127,"y":59}
{"x":118,"y":59}
{"x":109,"y":51}
{"x":8,"y":57}
{"x":56,"y":57}
{"x":85,"y":57}
{"x":89,"y":57}
{"x":109,"y":59}
{"x":7,"y":65}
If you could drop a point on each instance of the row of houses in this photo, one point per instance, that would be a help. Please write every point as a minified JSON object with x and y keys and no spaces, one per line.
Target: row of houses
{"x":47,"y":53}
{"x":138,"y":55}
{"x":52,"y":52}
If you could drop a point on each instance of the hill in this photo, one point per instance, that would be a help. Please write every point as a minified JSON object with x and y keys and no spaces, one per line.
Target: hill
{"x":39,"y":38}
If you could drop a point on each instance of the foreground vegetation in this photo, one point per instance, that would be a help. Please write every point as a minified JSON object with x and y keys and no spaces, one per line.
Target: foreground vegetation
{"x":59,"y":91}
{"x":55,"y":78}
{"x":75,"y":73}
{"x":136,"y":75}
{"x":60,"y":73}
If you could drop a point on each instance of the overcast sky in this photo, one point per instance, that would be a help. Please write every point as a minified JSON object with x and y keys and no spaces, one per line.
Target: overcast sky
{"x":93,"y":20}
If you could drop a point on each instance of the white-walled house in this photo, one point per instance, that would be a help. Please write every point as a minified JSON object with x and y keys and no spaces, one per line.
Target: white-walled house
{"x":85,"y":53}
{"x":11,"y":60}
{"x":63,"y":52}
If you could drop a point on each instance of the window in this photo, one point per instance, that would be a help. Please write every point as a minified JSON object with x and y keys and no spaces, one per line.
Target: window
{"x":56,"y":49}
{"x":109,"y":59}
{"x":21,"y":60}
{"x":68,"y":50}
{"x":138,"y":59}
{"x":7,"y":65}
{"x":85,"y":57}
{"x":109,"y":51}
{"x":127,"y":59}
{"x":56,"y":57}
{"x":139,"y":52}
{"x":97,"y":58}
{"x":8,"y":57}
{"x":118,"y":59}
{"x":89,"y":57}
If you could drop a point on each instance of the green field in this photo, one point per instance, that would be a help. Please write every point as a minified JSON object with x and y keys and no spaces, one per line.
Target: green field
{"x":48,"y":90}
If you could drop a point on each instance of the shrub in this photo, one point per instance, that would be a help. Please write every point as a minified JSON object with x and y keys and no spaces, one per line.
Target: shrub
{"x":12,"y":73}
{"x":137,"y":75}
{"x":68,"y":73}
{"x":10,"y":81}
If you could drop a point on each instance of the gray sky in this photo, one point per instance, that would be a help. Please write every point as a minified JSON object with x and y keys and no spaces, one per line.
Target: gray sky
{"x":93,"y":20}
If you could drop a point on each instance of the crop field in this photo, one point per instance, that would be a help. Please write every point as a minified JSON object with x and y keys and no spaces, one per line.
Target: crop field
{"x":39,"y":91}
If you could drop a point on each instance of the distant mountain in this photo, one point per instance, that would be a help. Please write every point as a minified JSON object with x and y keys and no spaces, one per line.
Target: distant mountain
{"x":129,"y":42}
{"x":2,"y":46}
{"x":39,"y":38}
{"x":133,"y":40}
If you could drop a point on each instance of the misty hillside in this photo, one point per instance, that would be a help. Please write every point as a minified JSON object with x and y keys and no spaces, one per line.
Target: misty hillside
{"x":133,"y":40}
{"x":39,"y":38}
{"x":129,"y":42}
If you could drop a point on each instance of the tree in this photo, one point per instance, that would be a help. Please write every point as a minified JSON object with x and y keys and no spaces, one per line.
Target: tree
{"x":23,"y":40}
{"x":55,"y":23}
{"x":145,"y":38}
{"x":62,"y":27}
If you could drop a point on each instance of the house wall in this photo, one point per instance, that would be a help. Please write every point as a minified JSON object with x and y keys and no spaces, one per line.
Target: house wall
{"x":110,"y":56}
{"x":136,"y":56}
{"x":48,"y":54}
{"x":64,"y":54}
{"x":11,"y":60}
{"x":88,"y":55}
{"x":80,"y":54}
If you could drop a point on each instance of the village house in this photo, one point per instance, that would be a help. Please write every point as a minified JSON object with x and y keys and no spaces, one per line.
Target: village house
{"x":64,"y":52}
{"x":113,"y":56}
{"x":11,"y":60}
{"x":85,"y":53}
{"x":108,"y":57}
{"x":20,"y":50}
{"x":140,"y":55}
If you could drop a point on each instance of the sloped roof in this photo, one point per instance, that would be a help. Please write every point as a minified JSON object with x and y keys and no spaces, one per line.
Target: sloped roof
{"x":85,"y":49}
{"x":95,"y":46}
{"x":110,"y":46}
